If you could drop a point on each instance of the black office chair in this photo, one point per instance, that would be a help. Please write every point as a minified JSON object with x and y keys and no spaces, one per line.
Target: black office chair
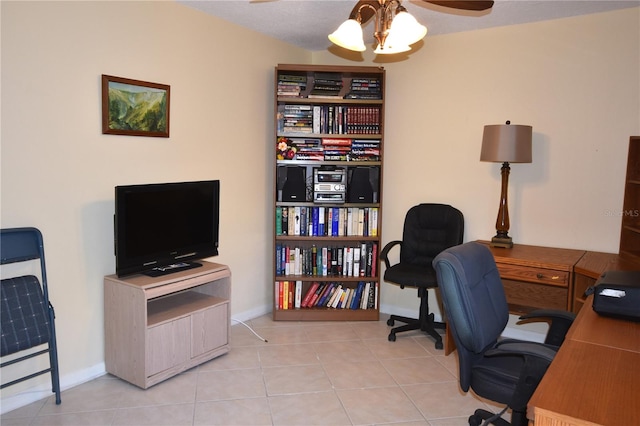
{"x":505,"y":371}
{"x":26,"y":313}
{"x":428,"y":229}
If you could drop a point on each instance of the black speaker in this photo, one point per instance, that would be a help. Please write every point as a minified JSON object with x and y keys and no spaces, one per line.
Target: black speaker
{"x":363,"y":185}
{"x":281,"y":178}
{"x":294,"y":187}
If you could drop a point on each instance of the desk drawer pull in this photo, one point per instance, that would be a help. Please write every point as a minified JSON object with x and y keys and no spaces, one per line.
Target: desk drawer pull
{"x":541,"y":276}
{"x":534,"y":275}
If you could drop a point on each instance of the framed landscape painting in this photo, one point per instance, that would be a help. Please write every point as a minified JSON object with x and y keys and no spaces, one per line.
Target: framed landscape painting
{"x":134,"y":107}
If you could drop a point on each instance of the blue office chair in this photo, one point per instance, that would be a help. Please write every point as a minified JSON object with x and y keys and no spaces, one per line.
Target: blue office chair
{"x":505,"y":371}
{"x":26,"y":313}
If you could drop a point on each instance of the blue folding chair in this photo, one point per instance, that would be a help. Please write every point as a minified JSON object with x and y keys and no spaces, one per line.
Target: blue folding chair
{"x":27,"y":316}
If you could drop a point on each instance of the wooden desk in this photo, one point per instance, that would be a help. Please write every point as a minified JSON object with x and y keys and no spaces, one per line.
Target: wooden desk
{"x":594,"y":378}
{"x":534,"y":277}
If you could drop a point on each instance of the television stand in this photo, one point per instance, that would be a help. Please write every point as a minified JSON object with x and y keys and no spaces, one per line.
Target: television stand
{"x":170,"y":269}
{"x":158,"y":327}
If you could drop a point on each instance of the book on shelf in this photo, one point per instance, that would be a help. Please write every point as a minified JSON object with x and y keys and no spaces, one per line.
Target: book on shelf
{"x":298,"y":295}
{"x":317,"y":294}
{"x":325,"y":294}
{"x":365,"y":296}
{"x":335,"y":293}
{"x":336,"y":141}
{"x":309,"y":294}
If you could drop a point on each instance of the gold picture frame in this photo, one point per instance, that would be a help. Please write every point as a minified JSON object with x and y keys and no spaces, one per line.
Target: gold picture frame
{"x":134,"y":107}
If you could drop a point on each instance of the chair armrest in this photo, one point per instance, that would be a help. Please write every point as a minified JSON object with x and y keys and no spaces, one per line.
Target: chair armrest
{"x":537,"y":358}
{"x":560,"y":323}
{"x":520,"y":348}
{"x":385,"y":251}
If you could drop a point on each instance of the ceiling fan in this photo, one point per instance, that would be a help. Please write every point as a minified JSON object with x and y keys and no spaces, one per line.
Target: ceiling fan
{"x":391,"y":38}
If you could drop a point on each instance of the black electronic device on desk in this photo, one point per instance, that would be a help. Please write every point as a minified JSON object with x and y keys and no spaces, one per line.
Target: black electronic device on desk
{"x":617,"y":294}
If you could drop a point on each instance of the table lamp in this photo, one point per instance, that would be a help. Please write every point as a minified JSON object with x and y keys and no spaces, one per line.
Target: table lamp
{"x":505,"y":143}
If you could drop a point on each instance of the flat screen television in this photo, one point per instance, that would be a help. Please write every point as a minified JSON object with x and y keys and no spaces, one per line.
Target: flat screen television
{"x":164,"y":227}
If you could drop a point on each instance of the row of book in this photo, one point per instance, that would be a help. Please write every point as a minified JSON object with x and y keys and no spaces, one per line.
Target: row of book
{"x":356,"y":260}
{"x":335,"y":295}
{"x":319,"y":221}
{"x":333,"y":149}
{"x":351,"y":149}
{"x":328,"y":85}
{"x":329,"y":119}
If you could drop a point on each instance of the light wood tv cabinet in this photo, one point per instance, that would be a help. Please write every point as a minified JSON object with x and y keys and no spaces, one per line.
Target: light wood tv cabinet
{"x":158,"y":327}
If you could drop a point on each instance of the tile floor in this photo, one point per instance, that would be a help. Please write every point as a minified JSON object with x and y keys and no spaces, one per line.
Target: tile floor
{"x":308,"y":373}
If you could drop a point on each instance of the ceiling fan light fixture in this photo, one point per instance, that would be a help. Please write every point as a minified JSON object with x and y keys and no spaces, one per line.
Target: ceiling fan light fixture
{"x":389,"y":48}
{"x":349,"y":35}
{"x":405,"y":29}
{"x":395,"y":28}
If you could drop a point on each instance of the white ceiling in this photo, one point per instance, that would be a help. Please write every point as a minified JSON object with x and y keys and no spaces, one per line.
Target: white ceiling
{"x":306,"y":23}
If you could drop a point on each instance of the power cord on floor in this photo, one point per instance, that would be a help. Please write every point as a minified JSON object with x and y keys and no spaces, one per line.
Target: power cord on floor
{"x":251,"y":329}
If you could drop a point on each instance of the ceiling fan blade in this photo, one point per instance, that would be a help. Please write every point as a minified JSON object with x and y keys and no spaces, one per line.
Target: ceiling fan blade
{"x":366,"y":12}
{"x":464,"y":5}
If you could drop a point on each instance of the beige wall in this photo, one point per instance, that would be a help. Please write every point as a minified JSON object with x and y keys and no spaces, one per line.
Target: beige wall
{"x":59,"y":171}
{"x":576,"y":81}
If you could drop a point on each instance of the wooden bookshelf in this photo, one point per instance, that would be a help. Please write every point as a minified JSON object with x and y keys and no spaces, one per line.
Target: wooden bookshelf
{"x":630,"y":230}
{"x":329,"y":139}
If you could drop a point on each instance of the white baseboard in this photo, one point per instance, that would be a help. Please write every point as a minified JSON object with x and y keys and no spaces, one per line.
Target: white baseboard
{"x":43,"y":390}
{"x":251,"y":314}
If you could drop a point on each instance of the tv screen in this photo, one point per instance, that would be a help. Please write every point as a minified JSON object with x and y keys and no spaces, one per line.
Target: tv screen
{"x":162,"y":228}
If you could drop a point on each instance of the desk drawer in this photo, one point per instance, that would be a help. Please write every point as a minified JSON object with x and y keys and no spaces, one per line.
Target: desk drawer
{"x":534,"y":275}
{"x":524,"y":297}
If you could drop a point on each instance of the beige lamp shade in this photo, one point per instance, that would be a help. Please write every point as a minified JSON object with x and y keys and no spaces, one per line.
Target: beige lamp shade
{"x":510,"y":143}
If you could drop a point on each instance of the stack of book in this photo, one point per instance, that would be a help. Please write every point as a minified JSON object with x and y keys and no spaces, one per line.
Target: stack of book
{"x":295,"y":119}
{"x":309,"y":149}
{"x":291,"y":85}
{"x":336,"y":149}
{"x":326,"y":85}
{"x":365,"y":88}
{"x":365,"y":150}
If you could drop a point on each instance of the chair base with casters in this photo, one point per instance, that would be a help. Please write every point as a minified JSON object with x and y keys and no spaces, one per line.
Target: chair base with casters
{"x":425,"y":323}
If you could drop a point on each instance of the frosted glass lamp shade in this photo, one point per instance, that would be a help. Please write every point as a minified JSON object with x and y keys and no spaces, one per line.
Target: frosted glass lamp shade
{"x":349,"y":35}
{"x":406,"y":30}
{"x":390,"y":47}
